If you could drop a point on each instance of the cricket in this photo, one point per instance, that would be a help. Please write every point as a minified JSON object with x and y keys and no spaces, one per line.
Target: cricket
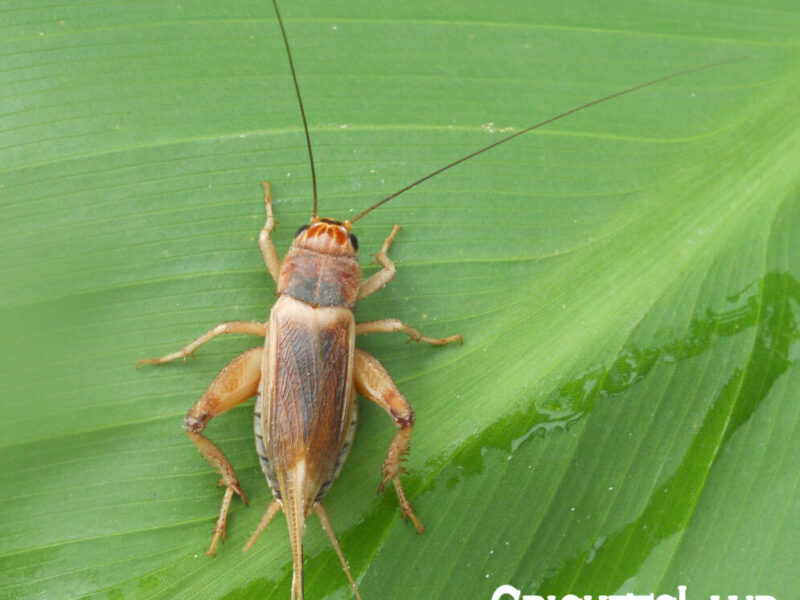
{"x":307,"y":374}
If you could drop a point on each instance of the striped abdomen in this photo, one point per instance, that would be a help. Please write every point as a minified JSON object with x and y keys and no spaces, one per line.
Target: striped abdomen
{"x":305,"y":416}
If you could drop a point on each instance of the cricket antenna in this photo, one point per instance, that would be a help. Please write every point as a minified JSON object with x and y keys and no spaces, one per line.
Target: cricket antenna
{"x":314,"y":216}
{"x":541,"y":124}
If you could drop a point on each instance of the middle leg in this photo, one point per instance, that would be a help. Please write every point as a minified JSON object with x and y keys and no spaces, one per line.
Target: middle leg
{"x":389,"y":325}
{"x":248,"y":327}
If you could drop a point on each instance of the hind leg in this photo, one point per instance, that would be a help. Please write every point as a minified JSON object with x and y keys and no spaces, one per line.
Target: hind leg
{"x":237,"y":382}
{"x":374,"y":382}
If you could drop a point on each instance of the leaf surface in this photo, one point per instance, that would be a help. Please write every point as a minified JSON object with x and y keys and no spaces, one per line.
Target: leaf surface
{"x":623,"y":415}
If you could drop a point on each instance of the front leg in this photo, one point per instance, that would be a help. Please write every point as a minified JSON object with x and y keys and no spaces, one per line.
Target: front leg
{"x":265,"y":243}
{"x":385,"y":275}
{"x":374,"y":383}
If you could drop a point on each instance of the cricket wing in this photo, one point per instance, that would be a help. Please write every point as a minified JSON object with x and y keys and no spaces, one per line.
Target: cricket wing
{"x":309,"y":398}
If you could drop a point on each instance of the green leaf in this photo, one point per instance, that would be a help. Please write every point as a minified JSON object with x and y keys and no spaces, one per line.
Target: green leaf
{"x":623,"y":414}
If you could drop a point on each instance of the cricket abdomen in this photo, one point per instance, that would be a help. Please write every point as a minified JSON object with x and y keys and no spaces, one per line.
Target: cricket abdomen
{"x":343,"y":453}
{"x":269,"y":471}
{"x":266,"y":465}
{"x":305,"y":415}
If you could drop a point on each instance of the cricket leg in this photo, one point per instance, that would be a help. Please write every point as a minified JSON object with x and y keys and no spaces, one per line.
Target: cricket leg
{"x":389,"y":325}
{"x":374,"y":383}
{"x":249,"y":327}
{"x":272,"y":510}
{"x":237,"y":382}
{"x":386,"y":274}
{"x":264,"y":241}
{"x":326,"y":525}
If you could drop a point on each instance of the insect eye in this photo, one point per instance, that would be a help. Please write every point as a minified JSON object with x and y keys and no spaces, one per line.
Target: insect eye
{"x":301,"y":230}
{"x":353,"y":241}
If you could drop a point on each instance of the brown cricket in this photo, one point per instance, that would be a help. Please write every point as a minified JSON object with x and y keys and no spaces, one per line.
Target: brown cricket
{"x":306,"y":377}
{"x":308,"y":372}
